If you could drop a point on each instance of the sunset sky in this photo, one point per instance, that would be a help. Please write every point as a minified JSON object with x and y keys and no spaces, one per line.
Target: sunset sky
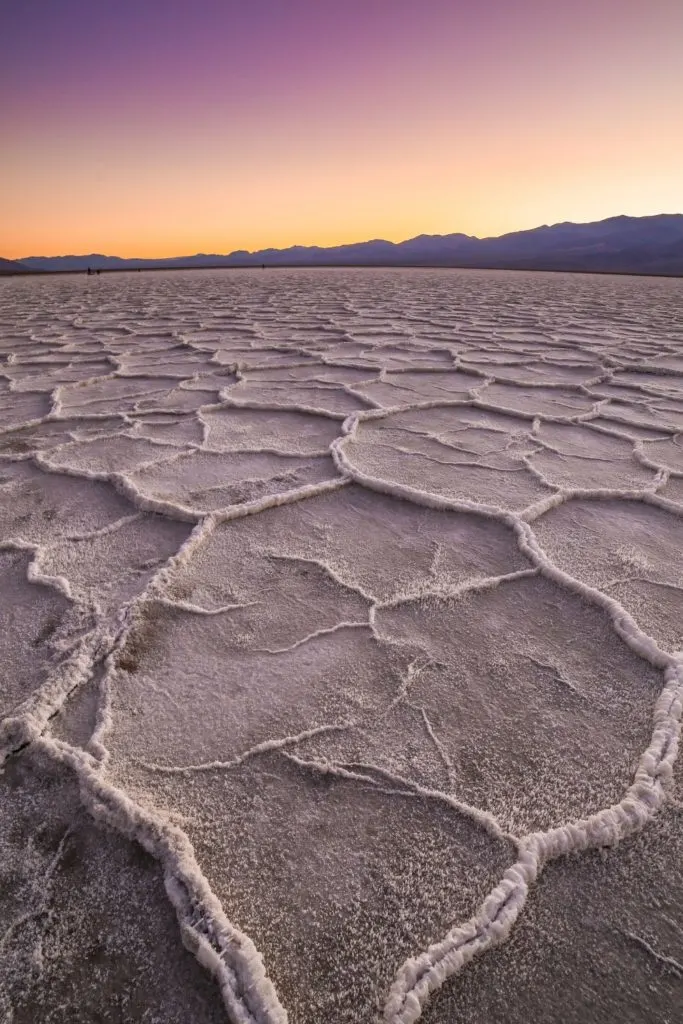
{"x":168,"y":127}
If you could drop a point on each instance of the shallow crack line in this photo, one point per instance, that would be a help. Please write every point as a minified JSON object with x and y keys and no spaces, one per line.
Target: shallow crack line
{"x":601,"y":428}
{"x":355,"y":770}
{"x":446,"y":592}
{"x":103,"y":531}
{"x":229,"y":402}
{"x":323,"y":631}
{"x":320,"y":453}
{"x":456,"y":464}
{"x":638,"y":578}
{"x":327,"y":569}
{"x":338,"y":771}
{"x":667,"y":961}
{"x":196,"y":609}
{"x":438,"y":438}
{"x":614,"y":416}
{"x":580,"y":455}
{"x":260,"y":748}
{"x":673,"y":924}
{"x":440,"y":747}
{"x":483,"y":818}
{"x":557,"y":674}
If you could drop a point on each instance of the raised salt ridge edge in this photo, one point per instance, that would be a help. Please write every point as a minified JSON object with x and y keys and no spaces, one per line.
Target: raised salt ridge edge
{"x":229,"y":954}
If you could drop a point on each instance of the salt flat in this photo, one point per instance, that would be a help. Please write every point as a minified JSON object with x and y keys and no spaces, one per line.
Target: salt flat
{"x":343,"y":646}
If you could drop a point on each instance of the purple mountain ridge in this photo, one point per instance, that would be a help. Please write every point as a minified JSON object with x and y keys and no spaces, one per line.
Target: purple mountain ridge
{"x":633,"y":245}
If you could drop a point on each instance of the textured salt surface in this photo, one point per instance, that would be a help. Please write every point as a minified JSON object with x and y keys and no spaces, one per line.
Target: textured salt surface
{"x":341,"y":644}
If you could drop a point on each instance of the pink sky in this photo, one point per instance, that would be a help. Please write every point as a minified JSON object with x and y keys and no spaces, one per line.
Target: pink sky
{"x":165,"y":127}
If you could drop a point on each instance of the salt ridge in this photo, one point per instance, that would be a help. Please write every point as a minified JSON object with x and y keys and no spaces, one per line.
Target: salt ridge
{"x":250,"y":997}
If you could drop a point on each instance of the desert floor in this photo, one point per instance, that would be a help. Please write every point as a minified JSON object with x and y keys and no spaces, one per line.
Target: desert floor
{"x":341,"y":647}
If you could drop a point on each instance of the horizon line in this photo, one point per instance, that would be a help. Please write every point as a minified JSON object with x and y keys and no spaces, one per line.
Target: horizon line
{"x":340,"y":245}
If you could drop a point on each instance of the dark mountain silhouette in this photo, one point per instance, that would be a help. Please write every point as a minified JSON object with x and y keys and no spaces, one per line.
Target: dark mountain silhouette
{"x":633,"y":245}
{"x":14,"y":267}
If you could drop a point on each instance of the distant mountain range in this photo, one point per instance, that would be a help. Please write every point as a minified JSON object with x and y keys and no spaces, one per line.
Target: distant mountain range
{"x":630,"y":245}
{"x":13,"y":267}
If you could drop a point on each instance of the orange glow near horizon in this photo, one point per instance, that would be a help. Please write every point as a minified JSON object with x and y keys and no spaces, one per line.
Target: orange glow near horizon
{"x":411,"y":125}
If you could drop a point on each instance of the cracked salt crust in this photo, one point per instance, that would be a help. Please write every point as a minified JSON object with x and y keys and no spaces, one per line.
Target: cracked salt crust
{"x":353,"y":599}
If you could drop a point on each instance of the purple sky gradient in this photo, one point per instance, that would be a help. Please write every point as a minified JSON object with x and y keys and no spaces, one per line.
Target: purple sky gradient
{"x":216,"y":125}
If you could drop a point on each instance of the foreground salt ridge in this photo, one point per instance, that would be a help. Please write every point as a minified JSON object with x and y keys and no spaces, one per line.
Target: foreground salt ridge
{"x":420,"y":977}
{"x":229,"y":954}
